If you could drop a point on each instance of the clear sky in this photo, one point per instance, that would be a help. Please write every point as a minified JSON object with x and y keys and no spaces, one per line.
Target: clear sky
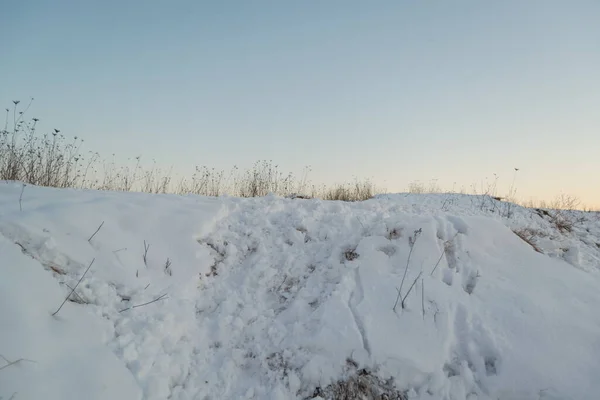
{"x":394,"y":90}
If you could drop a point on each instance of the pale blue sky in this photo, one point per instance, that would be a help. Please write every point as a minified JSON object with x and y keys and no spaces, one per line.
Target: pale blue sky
{"x":394,"y":90}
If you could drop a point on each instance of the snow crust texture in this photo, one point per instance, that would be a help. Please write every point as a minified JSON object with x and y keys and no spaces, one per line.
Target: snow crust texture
{"x":430,"y":296}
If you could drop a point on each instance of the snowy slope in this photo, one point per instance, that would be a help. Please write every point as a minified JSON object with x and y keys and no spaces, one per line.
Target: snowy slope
{"x":277,"y":298}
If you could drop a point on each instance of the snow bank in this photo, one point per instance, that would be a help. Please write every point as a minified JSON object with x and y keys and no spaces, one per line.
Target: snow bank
{"x":51,"y":357}
{"x":274,"y":298}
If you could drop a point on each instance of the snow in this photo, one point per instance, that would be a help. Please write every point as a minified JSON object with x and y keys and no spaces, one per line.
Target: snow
{"x":272,"y":298}
{"x":60,"y":357}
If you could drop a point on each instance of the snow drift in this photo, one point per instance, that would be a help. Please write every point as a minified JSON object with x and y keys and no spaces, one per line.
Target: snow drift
{"x":224,"y":298}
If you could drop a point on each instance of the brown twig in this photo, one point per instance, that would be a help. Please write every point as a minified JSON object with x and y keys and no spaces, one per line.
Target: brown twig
{"x":57,"y":270}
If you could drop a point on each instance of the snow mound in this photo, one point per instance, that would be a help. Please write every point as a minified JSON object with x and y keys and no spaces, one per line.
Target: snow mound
{"x":422,"y":297}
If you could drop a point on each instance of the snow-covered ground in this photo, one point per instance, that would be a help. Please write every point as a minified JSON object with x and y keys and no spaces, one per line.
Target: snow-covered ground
{"x":277,"y":298}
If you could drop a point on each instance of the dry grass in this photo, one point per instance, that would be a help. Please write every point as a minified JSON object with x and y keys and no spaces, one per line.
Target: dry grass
{"x":361,"y":385}
{"x":359,"y":191}
{"x":51,"y":159}
{"x":529,"y":236}
{"x":561,"y":212}
{"x":418,"y":187}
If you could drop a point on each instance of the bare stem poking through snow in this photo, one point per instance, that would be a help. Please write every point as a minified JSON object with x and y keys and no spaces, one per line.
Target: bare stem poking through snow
{"x":145,"y":256}
{"x":410,"y":289}
{"x":21,"y":198}
{"x":423,"y":297}
{"x":438,"y":261}
{"x":447,"y":244}
{"x":73,"y":290}
{"x":161,"y":297}
{"x":9,"y":363}
{"x":97,"y":230}
{"x":76,"y":294}
{"x":411,"y":242}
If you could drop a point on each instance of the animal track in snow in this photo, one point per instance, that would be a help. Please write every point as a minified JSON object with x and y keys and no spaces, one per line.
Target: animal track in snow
{"x":473,"y":347}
